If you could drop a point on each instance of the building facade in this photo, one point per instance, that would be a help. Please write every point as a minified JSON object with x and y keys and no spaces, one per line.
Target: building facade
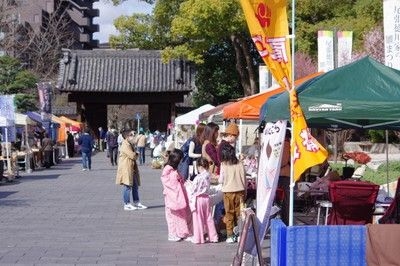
{"x":33,"y":13}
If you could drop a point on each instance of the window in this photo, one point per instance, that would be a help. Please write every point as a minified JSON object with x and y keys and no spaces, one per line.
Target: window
{"x":49,"y":6}
{"x":36,"y":18}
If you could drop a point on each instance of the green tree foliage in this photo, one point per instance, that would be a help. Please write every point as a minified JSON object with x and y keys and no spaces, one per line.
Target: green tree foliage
{"x":135,"y":31}
{"x":191,"y":29}
{"x":379,"y":136}
{"x":217,"y":80}
{"x":25,"y":102}
{"x":15,"y":80}
{"x":197,"y":29}
{"x":359,"y":16}
{"x":117,"y":2}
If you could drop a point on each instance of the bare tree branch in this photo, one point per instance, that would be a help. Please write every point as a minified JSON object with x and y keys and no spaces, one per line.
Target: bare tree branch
{"x":39,"y":49}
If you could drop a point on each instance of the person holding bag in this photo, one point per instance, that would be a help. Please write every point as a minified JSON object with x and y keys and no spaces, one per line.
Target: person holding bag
{"x":177,"y":211}
{"x":195,"y":149}
{"x":191,"y":151}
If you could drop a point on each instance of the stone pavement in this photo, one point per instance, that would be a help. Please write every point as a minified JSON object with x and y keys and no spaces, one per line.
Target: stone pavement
{"x":66,"y":216}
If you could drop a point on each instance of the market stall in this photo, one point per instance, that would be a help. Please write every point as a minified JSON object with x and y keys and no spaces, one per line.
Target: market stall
{"x":184,"y":125}
{"x":72,"y":125}
{"x":364,"y":94}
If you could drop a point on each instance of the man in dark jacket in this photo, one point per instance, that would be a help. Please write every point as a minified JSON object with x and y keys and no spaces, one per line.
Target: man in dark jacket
{"x":86,"y":143}
{"x":112,"y":142}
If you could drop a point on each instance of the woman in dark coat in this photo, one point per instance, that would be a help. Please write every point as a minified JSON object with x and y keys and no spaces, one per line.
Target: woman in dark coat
{"x":70,"y":144}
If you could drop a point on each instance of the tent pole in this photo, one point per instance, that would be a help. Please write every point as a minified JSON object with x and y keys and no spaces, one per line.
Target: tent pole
{"x":28,"y":151}
{"x":8,"y":152}
{"x":241,"y":135}
{"x":387,"y":160}
{"x":291,"y":186}
{"x":335,"y":148}
{"x":66,"y":141}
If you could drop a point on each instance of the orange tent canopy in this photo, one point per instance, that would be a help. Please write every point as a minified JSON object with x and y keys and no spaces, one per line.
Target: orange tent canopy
{"x":249,"y":107}
{"x":73,"y":125}
{"x":61,"y":136}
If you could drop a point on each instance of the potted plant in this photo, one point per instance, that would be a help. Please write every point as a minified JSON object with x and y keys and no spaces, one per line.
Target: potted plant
{"x":358,"y":157}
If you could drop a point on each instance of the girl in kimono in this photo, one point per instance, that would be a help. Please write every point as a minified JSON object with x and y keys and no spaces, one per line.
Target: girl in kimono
{"x":177,"y":211}
{"x":199,"y":203}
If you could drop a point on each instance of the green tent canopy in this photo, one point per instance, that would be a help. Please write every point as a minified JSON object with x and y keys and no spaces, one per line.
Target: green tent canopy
{"x":363,"y":94}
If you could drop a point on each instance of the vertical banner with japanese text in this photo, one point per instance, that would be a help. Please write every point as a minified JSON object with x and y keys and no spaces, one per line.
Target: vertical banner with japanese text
{"x":269,"y":30}
{"x":269,"y":166}
{"x":305,"y":149}
{"x":345,"y":43}
{"x":391,"y":25}
{"x":7,"y":117}
{"x":325,"y":51}
{"x":44,"y":91}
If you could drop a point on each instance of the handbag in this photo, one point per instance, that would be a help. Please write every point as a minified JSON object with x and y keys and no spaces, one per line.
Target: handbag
{"x":183,"y":167}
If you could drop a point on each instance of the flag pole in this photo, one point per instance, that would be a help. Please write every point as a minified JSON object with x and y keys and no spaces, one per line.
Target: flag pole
{"x":291,"y":185}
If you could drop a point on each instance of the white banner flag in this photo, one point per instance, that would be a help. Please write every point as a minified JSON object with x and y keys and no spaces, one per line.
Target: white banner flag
{"x":269,"y":166}
{"x":391,"y":24}
{"x":345,"y":43}
{"x":325,"y":51}
{"x":7,"y":117}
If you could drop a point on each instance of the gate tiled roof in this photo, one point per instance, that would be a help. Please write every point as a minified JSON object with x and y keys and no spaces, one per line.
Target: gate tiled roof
{"x":123,"y":71}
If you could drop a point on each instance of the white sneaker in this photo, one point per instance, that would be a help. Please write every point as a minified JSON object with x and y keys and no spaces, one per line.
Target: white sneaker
{"x":230,"y":240}
{"x":174,"y":238}
{"x":188,"y":239}
{"x":140,"y":206}
{"x":129,"y":207}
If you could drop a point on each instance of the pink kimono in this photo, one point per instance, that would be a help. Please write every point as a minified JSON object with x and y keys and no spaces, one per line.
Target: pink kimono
{"x":199,"y":202}
{"x":177,"y":211}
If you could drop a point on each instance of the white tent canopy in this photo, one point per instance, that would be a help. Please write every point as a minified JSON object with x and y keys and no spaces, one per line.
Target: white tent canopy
{"x":5,"y":122}
{"x":192,"y":117}
{"x":23,"y":120}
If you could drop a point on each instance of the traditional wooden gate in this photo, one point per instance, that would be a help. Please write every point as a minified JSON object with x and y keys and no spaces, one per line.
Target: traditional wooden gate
{"x":97,"y":78}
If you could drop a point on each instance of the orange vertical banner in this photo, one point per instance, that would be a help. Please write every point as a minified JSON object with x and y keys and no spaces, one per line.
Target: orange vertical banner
{"x":306,"y":150}
{"x":268,"y":25}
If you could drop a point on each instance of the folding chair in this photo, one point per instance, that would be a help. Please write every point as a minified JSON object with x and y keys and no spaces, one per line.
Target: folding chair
{"x":353,"y":202}
{"x":392,"y":214}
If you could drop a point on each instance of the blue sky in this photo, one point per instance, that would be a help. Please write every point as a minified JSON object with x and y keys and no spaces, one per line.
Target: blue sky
{"x":108,"y":13}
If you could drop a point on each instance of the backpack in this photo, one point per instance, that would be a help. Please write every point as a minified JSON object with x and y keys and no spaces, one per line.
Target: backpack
{"x":183,"y":167}
{"x":185,"y":147}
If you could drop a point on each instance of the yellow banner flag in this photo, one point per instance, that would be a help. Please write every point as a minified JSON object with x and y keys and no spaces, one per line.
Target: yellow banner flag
{"x":268,"y":25}
{"x":306,"y":150}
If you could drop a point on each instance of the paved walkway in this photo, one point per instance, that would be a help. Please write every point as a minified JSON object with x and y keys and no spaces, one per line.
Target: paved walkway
{"x":65,"y":216}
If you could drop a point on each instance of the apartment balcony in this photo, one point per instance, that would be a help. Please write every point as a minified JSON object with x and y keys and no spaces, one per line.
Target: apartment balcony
{"x":92,"y":13}
{"x":93,"y":28}
{"x":87,"y":40}
{"x":84,"y":37}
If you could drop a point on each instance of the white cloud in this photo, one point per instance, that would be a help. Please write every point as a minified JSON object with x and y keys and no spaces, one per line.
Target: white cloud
{"x":108,"y":13}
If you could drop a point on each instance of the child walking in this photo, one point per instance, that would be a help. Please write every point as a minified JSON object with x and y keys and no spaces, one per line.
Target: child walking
{"x":199,"y":202}
{"x":177,"y":211}
{"x":233,"y":180}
